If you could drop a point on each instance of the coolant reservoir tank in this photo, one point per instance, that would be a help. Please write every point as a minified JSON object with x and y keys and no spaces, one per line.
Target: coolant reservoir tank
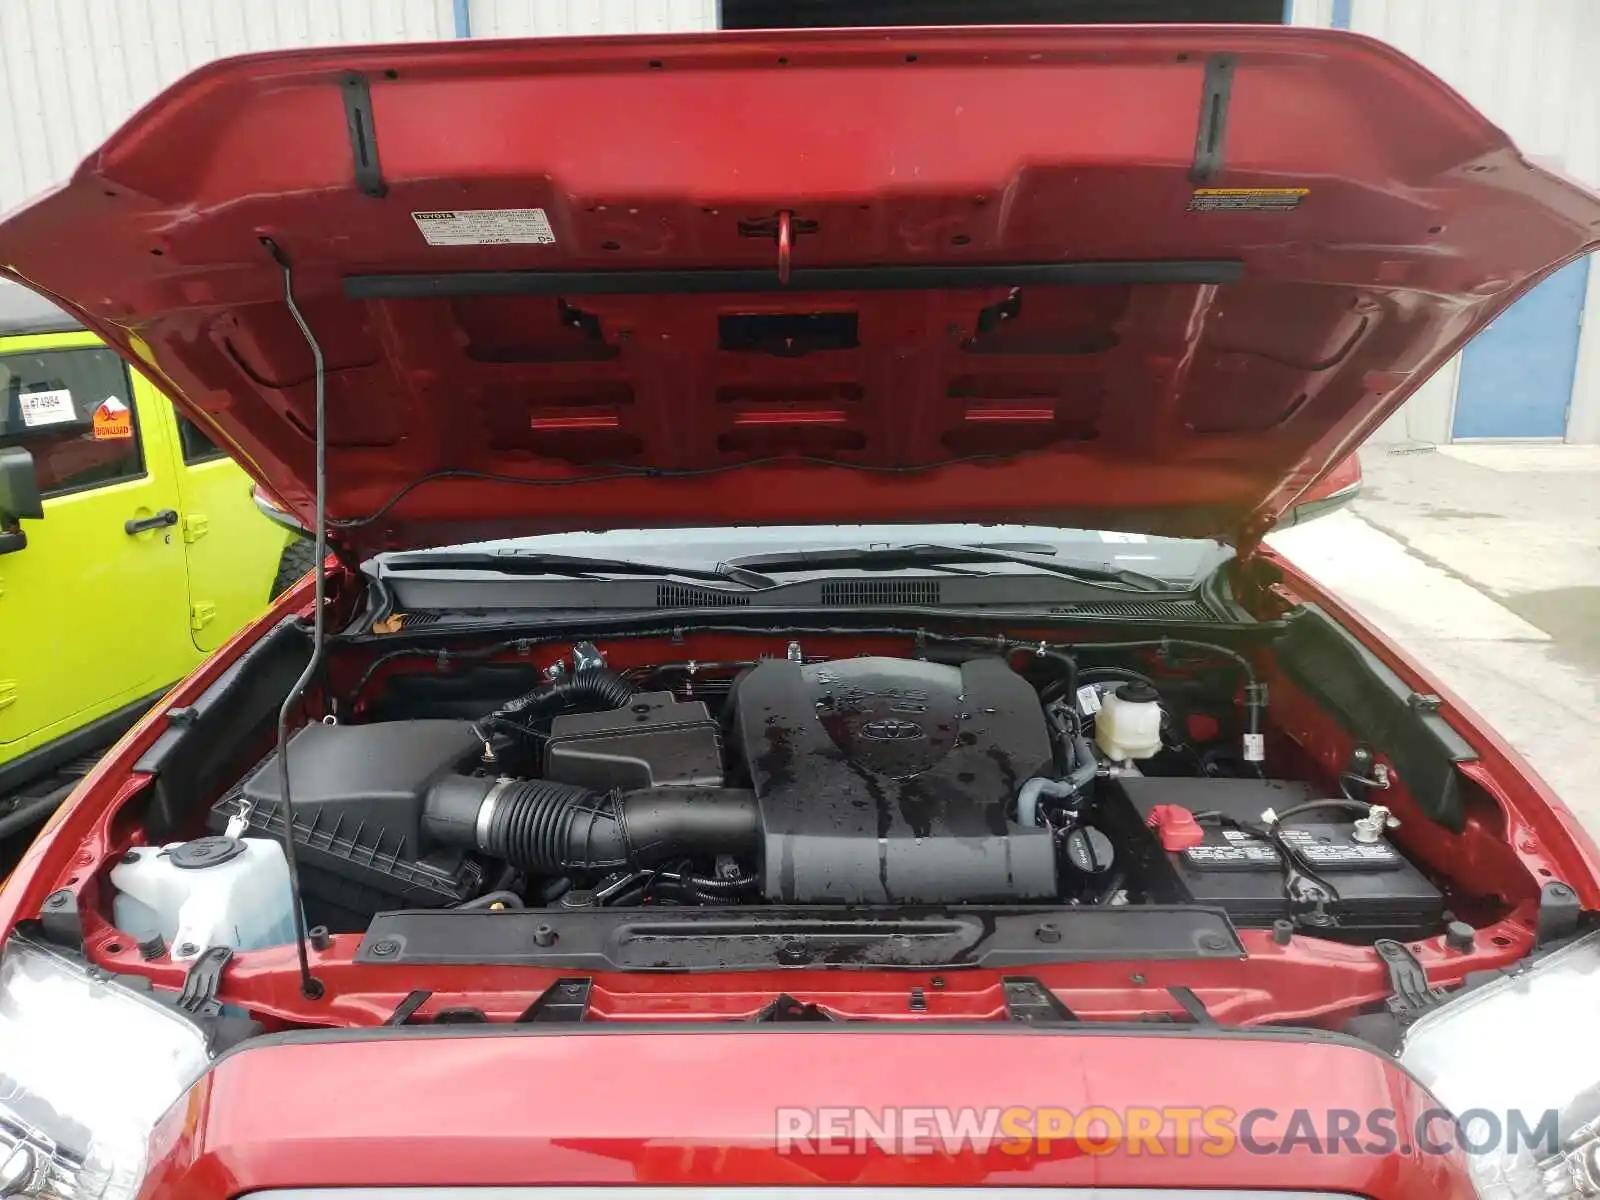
{"x":213,"y":891}
{"x":1128,"y":724}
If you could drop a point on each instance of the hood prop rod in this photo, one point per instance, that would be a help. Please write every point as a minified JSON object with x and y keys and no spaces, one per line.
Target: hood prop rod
{"x":310,"y":986}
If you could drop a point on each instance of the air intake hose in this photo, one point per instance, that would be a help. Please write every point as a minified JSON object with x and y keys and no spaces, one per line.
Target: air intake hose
{"x":594,"y":689}
{"x":551,"y":828}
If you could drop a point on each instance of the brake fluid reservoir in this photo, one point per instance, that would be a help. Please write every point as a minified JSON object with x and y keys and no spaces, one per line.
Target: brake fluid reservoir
{"x":1128,"y":724}
{"x":213,"y":891}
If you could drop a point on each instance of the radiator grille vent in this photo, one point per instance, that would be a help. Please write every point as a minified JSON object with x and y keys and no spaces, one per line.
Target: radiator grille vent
{"x":1135,"y":610}
{"x":685,"y":595}
{"x":851,"y":592}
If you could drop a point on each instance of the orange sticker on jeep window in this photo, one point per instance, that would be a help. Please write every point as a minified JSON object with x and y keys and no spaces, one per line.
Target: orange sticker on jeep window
{"x":113,"y":421}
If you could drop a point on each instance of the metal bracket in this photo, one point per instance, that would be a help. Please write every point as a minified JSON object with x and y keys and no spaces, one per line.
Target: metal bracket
{"x":407,"y":1008}
{"x":1559,"y":913}
{"x":564,"y":1001}
{"x":1029,"y":1002}
{"x":1209,"y":138}
{"x":786,"y":1009}
{"x":1408,"y":981}
{"x":1192,"y":1005}
{"x":200,"y":986}
{"x":59,"y":919}
{"x":357,"y":96}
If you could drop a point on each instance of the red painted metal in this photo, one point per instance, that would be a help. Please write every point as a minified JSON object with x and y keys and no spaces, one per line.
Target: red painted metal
{"x":1179,"y":407}
{"x":675,"y":1107}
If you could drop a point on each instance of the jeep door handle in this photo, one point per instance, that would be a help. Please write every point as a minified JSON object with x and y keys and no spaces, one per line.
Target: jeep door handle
{"x":167,"y":516}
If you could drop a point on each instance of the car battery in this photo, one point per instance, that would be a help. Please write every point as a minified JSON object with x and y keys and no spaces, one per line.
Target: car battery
{"x":1377,"y":892}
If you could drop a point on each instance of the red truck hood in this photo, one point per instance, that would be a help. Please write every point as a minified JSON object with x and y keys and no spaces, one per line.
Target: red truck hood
{"x":1155,"y":279}
{"x":456,"y":1107}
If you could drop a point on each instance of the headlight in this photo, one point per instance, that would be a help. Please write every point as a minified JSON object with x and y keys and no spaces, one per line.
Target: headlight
{"x":1508,"y":1053}
{"x":86,"y":1069}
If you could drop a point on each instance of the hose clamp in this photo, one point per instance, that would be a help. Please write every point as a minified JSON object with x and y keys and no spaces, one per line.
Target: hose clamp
{"x":486,"y":808}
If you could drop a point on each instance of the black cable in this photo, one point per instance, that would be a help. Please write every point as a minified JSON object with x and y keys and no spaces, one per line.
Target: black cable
{"x":521,"y":645}
{"x":1293,"y":863}
{"x":1128,"y":674}
{"x":1296,"y":810}
{"x":1118,"y":879}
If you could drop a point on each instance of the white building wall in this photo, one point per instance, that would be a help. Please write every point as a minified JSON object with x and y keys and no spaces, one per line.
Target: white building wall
{"x":71,"y":71}
{"x":1533,"y":68}
{"x":554,"y":18}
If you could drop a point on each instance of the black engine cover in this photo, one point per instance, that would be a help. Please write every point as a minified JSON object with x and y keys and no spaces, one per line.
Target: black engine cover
{"x":888,"y":780}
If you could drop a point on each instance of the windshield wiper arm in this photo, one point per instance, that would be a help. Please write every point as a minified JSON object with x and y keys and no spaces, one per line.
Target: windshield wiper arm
{"x":926,"y":554}
{"x":512,"y":562}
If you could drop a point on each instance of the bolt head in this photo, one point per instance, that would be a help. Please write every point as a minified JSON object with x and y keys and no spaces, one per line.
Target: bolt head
{"x":385,"y":948}
{"x":1047,"y":933}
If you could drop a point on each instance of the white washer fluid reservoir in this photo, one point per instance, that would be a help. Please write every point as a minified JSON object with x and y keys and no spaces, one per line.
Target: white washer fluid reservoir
{"x":213,"y":891}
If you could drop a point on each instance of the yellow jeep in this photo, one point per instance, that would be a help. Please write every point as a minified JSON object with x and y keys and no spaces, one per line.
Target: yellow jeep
{"x":130,"y":548}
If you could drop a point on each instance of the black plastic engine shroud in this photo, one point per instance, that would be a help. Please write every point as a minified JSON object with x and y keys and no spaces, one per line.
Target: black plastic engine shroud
{"x":889,"y":780}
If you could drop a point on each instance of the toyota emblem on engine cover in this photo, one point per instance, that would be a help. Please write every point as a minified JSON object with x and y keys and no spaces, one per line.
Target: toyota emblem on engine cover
{"x":891,"y":729}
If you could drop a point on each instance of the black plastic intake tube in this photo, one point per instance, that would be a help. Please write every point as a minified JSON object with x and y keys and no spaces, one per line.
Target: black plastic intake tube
{"x":552,"y":828}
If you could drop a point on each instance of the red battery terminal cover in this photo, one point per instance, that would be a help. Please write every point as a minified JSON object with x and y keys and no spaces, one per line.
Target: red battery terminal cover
{"x":1176,"y":827}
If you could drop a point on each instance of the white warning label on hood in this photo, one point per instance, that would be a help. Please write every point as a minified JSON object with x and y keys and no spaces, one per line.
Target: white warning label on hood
{"x":486,"y":227}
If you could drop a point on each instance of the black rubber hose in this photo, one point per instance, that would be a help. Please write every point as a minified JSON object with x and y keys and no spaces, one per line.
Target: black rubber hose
{"x":552,"y":828}
{"x":29,"y":813}
{"x":597,"y":688}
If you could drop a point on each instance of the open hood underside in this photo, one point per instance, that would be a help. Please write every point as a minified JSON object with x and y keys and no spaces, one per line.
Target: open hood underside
{"x":1155,"y":279}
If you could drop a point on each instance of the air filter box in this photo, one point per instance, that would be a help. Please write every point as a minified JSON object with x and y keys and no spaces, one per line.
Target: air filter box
{"x":358,"y":792}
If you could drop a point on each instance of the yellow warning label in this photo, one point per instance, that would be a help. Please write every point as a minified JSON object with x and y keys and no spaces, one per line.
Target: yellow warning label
{"x":1246,"y":199}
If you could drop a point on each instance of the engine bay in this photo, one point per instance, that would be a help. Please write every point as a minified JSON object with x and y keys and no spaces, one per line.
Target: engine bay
{"x":961,"y":777}
{"x":1146,"y":821}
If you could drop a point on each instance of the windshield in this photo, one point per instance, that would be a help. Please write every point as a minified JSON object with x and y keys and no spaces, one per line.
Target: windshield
{"x":1183,"y":562}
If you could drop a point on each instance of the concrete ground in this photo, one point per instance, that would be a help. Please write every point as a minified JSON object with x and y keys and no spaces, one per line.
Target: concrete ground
{"x":1483,"y":562}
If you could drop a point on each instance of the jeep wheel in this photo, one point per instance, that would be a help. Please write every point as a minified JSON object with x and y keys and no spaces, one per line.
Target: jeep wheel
{"x":299,"y":556}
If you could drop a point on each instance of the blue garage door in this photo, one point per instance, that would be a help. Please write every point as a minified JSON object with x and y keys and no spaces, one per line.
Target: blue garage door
{"x":1516,"y":376}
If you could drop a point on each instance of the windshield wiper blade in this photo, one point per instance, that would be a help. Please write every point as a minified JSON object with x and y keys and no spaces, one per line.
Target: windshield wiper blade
{"x":927,"y":554}
{"x":514,"y":562}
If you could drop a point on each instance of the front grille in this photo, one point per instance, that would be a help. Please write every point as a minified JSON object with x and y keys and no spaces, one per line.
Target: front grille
{"x":852,"y":592}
